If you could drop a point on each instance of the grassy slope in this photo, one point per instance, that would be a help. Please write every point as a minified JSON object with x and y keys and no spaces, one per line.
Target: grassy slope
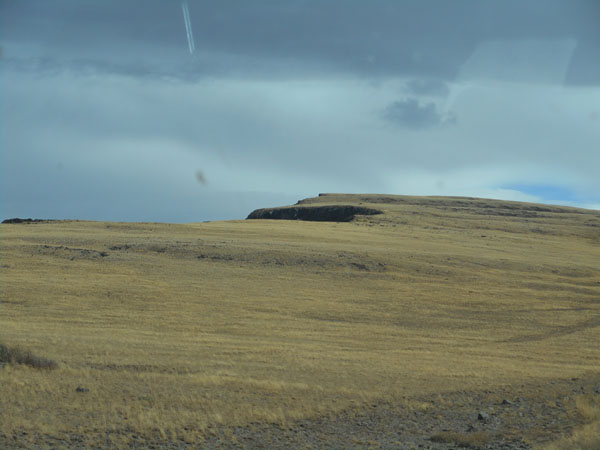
{"x":179,"y":328}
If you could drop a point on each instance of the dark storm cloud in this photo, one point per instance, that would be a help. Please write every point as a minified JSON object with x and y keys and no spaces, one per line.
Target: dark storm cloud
{"x":410,"y":113}
{"x":286,"y":98}
{"x":376,"y":38}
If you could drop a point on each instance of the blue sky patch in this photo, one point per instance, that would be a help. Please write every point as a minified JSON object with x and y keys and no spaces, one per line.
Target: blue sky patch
{"x":545,"y":192}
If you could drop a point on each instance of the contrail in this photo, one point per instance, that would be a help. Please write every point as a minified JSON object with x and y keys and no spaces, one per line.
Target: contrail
{"x":188,"y":25}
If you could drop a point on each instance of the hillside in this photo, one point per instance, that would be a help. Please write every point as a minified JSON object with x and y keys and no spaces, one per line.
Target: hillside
{"x":427,"y":321}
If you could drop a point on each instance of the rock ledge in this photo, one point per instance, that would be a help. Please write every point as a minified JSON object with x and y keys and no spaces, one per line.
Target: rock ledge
{"x":329,"y":213}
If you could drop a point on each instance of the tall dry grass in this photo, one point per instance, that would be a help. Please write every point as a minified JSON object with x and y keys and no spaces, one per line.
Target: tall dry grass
{"x":17,"y":355}
{"x":584,"y":437}
{"x":178,"y":329}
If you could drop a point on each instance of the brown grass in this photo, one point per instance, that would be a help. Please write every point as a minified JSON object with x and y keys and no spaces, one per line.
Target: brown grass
{"x":587,"y":436}
{"x":178,"y":329}
{"x":475,"y":439}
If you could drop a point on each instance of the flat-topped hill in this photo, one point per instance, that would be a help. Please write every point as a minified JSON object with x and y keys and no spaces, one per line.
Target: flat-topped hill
{"x":389,"y":329}
{"x":453,"y":203}
{"x":437,"y":211}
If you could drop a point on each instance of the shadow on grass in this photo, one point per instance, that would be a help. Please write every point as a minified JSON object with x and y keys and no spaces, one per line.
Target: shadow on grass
{"x":16,"y":355}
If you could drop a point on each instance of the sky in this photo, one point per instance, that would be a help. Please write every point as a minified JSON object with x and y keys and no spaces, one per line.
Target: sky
{"x":106,"y":114}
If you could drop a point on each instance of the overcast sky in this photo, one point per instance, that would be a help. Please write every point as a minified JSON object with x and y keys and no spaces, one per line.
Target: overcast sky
{"x":105,"y":114}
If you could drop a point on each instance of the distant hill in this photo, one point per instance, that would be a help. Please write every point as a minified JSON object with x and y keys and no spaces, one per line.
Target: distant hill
{"x":436,"y":211}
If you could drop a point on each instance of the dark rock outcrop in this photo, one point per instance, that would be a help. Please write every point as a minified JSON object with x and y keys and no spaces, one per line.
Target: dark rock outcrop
{"x":329,"y":213}
{"x":18,"y":220}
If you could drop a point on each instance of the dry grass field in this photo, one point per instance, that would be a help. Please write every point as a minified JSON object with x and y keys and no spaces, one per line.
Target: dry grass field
{"x":180,"y":333}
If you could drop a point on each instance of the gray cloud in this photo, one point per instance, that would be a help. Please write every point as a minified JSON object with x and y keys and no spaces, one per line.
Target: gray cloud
{"x":105,"y":114}
{"x":124,"y":143}
{"x":410,"y":113}
{"x":427,"y":86}
{"x":380,"y":38}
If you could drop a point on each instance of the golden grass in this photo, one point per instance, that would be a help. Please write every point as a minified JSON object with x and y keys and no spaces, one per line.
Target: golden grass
{"x":587,"y":436}
{"x":177,"y":329}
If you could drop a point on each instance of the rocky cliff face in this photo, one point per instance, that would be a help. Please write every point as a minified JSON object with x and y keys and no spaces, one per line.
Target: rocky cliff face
{"x":328,"y":213}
